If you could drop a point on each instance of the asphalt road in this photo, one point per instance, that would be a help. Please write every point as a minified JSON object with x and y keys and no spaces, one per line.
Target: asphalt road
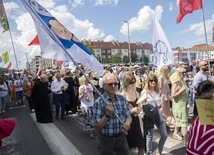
{"x":63,"y":137}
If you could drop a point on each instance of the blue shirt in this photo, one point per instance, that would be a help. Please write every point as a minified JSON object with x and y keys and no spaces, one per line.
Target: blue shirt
{"x":113,"y":126}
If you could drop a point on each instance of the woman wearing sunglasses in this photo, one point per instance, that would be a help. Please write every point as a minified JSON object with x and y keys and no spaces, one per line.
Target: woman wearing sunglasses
{"x":134,"y":137}
{"x":150,"y":101}
{"x":179,"y":105}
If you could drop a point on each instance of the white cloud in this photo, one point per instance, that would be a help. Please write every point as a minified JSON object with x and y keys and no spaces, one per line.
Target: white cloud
{"x":48,"y":4}
{"x":143,"y":21}
{"x":171,"y":6}
{"x":106,"y":2}
{"x":75,"y":3}
{"x":198,"y":28}
{"x":109,"y":38}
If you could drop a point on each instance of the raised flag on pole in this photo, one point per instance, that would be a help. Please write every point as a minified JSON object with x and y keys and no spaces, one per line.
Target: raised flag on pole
{"x":3,"y":18}
{"x":35,"y":41}
{"x":189,"y":57}
{"x":186,"y":7}
{"x":5,"y":57}
{"x":213,"y":29}
{"x":161,"y":48}
{"x":56,"y":41}
{"x":9,"y":66}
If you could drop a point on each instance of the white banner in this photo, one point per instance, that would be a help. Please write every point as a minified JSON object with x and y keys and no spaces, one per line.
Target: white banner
{"x":161,"y":48}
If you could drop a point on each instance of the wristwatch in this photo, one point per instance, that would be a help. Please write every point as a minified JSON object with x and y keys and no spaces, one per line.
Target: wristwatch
{"x":108,"y":116}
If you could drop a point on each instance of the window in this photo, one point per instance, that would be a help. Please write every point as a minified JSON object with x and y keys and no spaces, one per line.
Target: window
{"x":103,"y":51}
{"x":103,"y":56}
{"x":109,"y":56}
{"x":98,"y":50}
{"x":109,"y":51}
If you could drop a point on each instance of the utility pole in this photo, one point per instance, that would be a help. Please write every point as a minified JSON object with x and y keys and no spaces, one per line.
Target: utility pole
{"x":28,"y":65}
{"x":129,"y":53}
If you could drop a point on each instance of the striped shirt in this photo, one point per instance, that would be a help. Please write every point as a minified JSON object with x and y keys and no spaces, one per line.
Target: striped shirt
{"x":121,"y":107}
{"x":201,"y":139}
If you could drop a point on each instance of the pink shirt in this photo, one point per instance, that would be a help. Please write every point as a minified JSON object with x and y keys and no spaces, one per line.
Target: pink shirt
{"x":201,"y":139}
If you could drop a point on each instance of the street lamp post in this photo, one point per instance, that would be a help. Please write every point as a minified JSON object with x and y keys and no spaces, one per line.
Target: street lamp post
{"x":129,"y":53}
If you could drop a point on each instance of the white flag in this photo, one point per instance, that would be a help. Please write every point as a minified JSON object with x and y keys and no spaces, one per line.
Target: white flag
{"x":189,"y":58}
{"x":161,"y":48}
{"x":56,"y":41}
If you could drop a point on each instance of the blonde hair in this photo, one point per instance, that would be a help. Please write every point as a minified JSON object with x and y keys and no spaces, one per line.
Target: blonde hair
{"x":151,"y":77}
{"x":181,"y":69}
{"x":164,"y":71}
{"x":128,"y":78}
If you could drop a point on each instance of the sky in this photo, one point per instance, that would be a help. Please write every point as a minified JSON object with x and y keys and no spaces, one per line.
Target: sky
{"x":104,"y":20}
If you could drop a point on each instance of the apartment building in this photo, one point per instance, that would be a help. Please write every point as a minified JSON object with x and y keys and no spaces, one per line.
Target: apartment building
{"x":104,"y":50}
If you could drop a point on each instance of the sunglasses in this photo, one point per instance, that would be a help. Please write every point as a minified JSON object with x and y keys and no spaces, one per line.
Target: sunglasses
{"x":205,"y":65}
{"x":132,"y":82}
{"x":152,"y":80}
{"x":112,"y":84}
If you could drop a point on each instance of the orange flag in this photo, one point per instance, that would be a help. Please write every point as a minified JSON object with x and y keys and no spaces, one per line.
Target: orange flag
{"x":188,"y":6}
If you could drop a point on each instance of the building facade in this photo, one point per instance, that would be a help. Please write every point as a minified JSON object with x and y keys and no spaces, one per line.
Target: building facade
{"x":105,"y":50}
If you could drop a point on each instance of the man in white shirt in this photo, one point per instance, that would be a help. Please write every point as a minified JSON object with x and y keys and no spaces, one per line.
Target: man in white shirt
{"x":57,"y":87}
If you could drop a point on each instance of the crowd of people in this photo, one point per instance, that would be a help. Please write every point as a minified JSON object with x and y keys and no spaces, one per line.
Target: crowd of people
{"x":124,"y":105}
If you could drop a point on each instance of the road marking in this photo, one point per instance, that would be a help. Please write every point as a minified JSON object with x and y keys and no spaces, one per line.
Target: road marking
{"x":56,"y":140}
{"x":22,"y":106}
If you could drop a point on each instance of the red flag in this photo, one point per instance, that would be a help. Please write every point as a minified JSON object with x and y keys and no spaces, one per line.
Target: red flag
{"x":8,"y":67}
{"x":35,"y":41}
{"x":188,"y":6}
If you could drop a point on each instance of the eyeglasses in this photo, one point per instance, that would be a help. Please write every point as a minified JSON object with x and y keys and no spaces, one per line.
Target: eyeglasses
{"x":204,"y":65}
{"x":133,"y":82}
{"x":152,"y":80}
{"x":112,"y":84}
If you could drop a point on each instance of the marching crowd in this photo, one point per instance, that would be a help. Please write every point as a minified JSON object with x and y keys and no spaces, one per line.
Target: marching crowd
{"x":121,"y":103}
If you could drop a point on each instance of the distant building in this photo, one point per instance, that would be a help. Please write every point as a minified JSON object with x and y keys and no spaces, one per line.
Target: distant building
{"x":180,"y":54}
{"x":104,"y":50}
{"x":37,"y":62}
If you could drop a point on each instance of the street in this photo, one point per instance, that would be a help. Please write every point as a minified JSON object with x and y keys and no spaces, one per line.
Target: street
{"x":63,"y":137}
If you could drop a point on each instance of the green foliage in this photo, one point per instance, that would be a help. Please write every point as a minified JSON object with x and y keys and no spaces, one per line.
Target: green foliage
{"x":134,"y":58}
{"x":125,"y":59}
{"x":116,"y":59}
{"x":145,"y":59}
{"x":88,"y":46}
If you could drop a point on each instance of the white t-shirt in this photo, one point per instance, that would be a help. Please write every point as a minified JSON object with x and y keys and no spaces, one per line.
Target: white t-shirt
{"x":152,"y":98}
{"x":88,"y":98}
{"x":4,"y":90}
{"x":16,"y":83}
{"x":57,"y":85}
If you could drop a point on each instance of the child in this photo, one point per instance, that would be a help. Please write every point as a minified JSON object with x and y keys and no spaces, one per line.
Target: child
{"x":87,"y":101}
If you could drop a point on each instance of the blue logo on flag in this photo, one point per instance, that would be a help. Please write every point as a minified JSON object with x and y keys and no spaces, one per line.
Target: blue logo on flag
{"x":160,"y":49}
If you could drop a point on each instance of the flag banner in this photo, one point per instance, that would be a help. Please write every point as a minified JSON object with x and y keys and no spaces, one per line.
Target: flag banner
{"x":54,"y":38}
{"x":3,"y":19}
{"x":186,"y":7}
{"x":1,"y":59}
{"x":213,"y":29}
{"x":161,"y":48}
{"x":35,"y":41}
{"x":5,"y":57}
{"x":9,"y":66}
{"x":189,"y":57}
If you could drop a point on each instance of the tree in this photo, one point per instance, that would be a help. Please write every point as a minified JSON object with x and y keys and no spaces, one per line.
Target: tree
{"x":88,"y":46}
{"x":125,"y":59}
{"x":145,"y":59}
{"x":134,"y":58}
{"x":140,"y":59}
{"x":116,"y":58}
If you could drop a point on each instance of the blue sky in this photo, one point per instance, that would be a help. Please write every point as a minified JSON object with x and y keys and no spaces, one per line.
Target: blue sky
{"x":103,"y":20}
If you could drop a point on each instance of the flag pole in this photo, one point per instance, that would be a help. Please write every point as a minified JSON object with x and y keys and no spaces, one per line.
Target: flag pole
{"x":205,"y":32}
{"x":13,"y":48}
